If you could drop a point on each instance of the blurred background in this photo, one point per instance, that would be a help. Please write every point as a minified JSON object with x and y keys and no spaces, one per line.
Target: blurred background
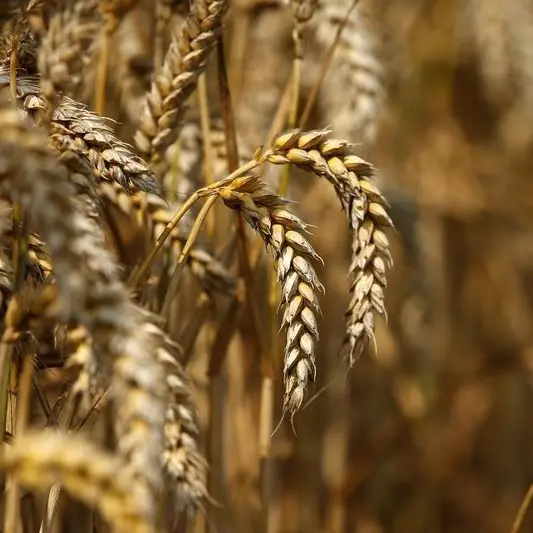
{"x":432,"y":432}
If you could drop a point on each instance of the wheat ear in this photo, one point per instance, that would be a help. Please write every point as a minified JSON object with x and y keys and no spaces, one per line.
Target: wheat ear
{"x":92,"y":295}
{"x":365,"y":207}
{"x":39,"y":460}
{"x":283,"y":234}
{"x":63,"y":53}
{"x":172,"y":86}
{"x":74,"y":128}
{"x":354,"y":113}
{"x":183,"y":465}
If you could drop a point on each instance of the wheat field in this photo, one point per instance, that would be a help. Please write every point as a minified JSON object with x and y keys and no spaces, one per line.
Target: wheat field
{"x":266,"y":266}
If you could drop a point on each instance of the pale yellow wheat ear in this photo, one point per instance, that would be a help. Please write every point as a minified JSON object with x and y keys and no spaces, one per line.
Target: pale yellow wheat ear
{"x":37,"y":460}
{"x":284,"y":236}
{"x":92,"y":294}
{"x":500,"y":37}
{"x":356,"y":66}
{"x":365,"y":207}
{"x":173,"y":85}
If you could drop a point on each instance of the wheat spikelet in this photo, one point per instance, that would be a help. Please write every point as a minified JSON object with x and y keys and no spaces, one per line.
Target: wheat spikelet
{"x":74,"y":128}
{"x":92,"y":295}
{"x":38,"y":460}
{"x":185,"y":60}
{"x":355,"y":112}
{"x":282,"y":232}
{"x":351,"y":177}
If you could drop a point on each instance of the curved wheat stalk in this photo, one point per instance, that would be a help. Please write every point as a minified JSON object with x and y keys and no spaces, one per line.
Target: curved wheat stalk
{"x":365,"y":207}
{"x":39,"y":460}
{"x":171,"y":88}
{"x":91,"y":294}
{"x":282,"y":232}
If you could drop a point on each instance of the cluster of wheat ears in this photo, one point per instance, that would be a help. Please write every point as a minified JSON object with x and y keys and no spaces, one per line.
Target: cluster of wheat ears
{"x":71,"y":301}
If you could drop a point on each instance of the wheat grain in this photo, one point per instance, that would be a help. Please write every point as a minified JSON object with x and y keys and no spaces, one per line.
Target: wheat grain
{"x":74,"y":128}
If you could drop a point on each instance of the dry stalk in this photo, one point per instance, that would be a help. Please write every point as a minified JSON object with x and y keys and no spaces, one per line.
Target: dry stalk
{"x":92,"y":294}
{"x":351,"y":177}
{"x":38,"y":460}
{"x":213,"y":276}
{"x":172,"y":86}
{"x":282,"y":232}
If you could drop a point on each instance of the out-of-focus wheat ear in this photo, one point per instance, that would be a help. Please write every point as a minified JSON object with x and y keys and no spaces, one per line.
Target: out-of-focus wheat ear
{"x":37,"y":460}
{"x":283,"y":234}
{"x":163,"y":14}
{"x":499,"y":36}
{"x":65,"y":47}
{"x":92,"y":295}
{"x":172,"y":86}
{"x":76,"y":129}
{"x":354,"y":113}
{"x":93,"y":377}
{"x":6,"y":280}
{"x":184,"y":466}
{"x":365,"y":206}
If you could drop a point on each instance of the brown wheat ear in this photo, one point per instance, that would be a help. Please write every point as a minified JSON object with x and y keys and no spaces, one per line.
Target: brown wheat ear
{"x":283,"y":233}
{"x":184,"y":466}
{"x":352,"y":179}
